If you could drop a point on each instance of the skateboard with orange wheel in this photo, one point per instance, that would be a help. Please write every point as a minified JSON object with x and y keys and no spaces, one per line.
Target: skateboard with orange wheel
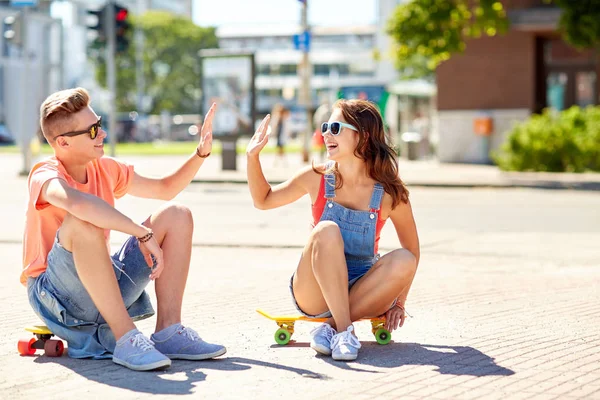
{"x":42,"y":340}
{"x":286,"y":326}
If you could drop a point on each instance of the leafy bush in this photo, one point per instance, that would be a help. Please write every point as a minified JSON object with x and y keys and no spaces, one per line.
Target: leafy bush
{"x":567,"y":141}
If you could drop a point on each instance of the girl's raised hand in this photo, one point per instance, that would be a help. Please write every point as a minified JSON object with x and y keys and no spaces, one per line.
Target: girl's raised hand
{"x":260,"y":138}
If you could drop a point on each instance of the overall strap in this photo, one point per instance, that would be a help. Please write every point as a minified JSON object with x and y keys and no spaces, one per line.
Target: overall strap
{"x":329,"y":181}
{"x":376,"y":197}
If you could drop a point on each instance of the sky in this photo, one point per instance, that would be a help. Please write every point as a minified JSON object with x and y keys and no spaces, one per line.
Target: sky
{"x":320,"y":12}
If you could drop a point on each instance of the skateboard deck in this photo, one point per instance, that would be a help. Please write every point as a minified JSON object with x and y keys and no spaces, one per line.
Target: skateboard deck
{"x":42,"y":340}
{"x":286,"y":326}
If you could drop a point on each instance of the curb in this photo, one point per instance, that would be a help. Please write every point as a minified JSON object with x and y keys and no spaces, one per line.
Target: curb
{"x":548,"y":185}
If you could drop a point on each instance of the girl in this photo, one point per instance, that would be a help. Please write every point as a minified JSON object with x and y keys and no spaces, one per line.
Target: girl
{"x":341,"y":275}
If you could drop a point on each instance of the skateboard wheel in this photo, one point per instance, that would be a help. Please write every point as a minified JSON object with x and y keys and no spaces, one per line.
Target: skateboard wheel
{"x":282,"y":336}
{"x":54,"y":348}
{"x":25,"y":347}
{"x":383,"y":336}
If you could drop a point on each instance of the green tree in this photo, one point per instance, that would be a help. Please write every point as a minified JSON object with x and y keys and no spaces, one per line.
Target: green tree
{"x":426,"y":32}
{"x":171,"y":71}
{"x":580,"y":22}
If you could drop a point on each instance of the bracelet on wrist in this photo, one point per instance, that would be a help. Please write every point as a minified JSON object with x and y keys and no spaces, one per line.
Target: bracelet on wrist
{"x":201,"y":155}
{"x":146,"y":237}
{"x":403,"y":309}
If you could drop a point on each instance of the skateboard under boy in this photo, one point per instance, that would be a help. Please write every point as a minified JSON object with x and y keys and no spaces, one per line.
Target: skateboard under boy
{"x":286,"y":326}
{"x":42,"y":340}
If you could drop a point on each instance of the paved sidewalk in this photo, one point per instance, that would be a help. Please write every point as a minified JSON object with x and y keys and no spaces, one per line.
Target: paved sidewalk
{"x":506,"y":303}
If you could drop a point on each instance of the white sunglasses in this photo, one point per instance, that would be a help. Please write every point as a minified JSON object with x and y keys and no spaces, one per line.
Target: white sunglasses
{"x":335,"y":127}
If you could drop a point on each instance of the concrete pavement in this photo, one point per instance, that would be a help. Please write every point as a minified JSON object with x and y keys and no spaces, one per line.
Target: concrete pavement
{"x":506,"y":303}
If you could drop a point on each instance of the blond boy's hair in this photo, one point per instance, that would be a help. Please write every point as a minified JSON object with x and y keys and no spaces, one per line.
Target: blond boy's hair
{"x":58,"y":107}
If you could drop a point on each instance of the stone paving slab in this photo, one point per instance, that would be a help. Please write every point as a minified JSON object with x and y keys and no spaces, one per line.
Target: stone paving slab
{"x":529,"y":335}
{"x":506,"y":304}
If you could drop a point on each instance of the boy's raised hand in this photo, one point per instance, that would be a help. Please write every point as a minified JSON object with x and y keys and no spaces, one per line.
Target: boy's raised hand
{"x":260,"y":138}
{"x":205,"y":145}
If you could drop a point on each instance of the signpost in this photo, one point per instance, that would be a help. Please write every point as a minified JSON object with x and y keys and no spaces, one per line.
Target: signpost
{"x":302,"y":42}
{"x":23,"y":3}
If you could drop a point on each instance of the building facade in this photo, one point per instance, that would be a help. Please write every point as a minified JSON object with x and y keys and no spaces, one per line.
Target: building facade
{"x":180,"y":7}
{"x":31,"y":66}
{"x":353,"y":61}
{"x":506,"y":78}
{"x":339,"y":56}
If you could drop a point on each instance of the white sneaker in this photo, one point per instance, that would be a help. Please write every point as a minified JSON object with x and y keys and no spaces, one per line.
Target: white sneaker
{"x":345,"y":345}
{"x":321,"y":338}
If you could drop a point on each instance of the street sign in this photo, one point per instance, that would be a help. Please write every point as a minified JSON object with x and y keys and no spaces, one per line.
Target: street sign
{"x":302,"y":41}
{"x":23,"y":3}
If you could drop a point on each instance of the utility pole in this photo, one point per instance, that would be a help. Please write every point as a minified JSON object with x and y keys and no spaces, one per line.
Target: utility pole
{"x":24,"y":133}
{"x":111,"y":78}
{"x":305,"y":68}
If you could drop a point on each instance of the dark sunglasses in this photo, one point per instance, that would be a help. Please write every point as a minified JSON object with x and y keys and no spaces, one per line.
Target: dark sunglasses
{"x":335,"y":127}
{"x":92,"y":131}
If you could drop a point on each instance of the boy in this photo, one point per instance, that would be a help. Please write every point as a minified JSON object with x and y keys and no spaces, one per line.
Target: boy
{"x":84,"y":295}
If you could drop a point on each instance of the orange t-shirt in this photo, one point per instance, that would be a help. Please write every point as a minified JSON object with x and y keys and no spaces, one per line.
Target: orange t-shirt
{"x":107,"y":178}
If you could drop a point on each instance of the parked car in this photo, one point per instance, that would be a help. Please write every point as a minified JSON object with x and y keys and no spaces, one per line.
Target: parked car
{"x":5,"y":136}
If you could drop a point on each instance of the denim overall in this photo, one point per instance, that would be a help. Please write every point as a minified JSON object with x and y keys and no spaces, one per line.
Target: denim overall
{"x":358,"y":229}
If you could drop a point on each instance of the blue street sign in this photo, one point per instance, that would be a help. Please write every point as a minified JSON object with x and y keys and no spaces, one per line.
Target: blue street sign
{"x":23,"y":3}
{"x":302,"y":41}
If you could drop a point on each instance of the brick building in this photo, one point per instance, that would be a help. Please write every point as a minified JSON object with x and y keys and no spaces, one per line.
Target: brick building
{"x":507,"y":77}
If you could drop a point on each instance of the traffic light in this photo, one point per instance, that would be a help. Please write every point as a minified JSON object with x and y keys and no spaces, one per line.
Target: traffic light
{"x":12,"y":26}
{"x":97,"y":25}
{"x":122,"y":29}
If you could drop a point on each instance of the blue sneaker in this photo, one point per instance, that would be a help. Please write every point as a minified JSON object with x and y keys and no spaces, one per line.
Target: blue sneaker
{"x":135,"y":351}
{"x":321,"y":338}
{"x":179,"y":342}
{"x":345,"y":346}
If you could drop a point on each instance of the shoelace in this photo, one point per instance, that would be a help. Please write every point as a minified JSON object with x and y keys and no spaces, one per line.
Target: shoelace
{"x":142,"y":342}
{"x":190,"y":333}
{"x":325,"y":329}
{"x":345,"y":338}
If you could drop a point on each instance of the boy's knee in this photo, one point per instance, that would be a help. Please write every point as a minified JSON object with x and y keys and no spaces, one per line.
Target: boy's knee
{"x":178,"y":215}
{"x":180,"y":212}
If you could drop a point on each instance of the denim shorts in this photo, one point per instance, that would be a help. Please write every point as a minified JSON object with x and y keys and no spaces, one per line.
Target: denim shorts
{"x":59,"y":298}
{"x":356,"y":270}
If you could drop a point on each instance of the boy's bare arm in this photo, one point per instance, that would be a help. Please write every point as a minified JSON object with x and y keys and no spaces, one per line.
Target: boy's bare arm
{"x":168,"y":187}
{"x":89,"y":208}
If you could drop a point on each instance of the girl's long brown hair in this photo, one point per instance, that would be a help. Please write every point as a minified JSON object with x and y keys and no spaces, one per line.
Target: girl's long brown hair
{"x":373,"y":148}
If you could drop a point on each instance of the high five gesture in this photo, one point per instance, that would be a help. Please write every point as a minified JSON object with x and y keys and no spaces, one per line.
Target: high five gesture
{"x":260,"y":138}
